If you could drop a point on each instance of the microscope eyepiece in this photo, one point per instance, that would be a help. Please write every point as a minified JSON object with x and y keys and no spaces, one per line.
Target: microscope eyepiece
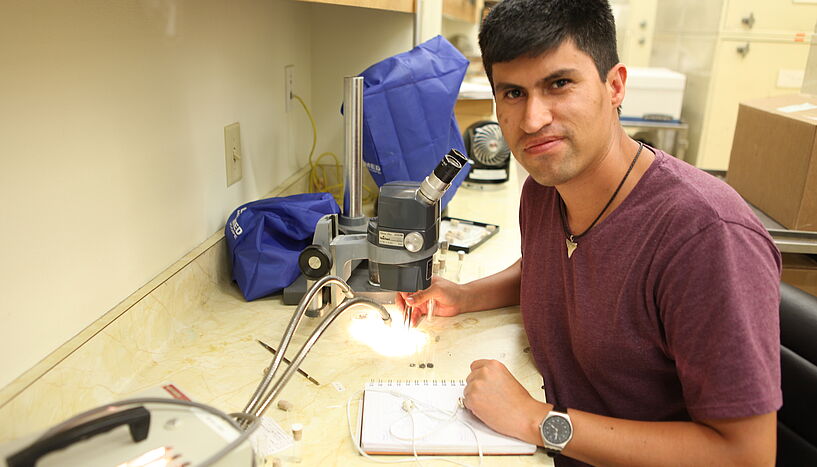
{"x":450,"y":166}
{"x":438,"y":181}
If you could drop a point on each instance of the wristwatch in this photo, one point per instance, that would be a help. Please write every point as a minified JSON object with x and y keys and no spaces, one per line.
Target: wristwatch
{"x":556,"y":430}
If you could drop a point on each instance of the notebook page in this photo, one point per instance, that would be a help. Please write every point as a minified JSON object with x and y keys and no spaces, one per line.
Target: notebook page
{"x":386,"y":428}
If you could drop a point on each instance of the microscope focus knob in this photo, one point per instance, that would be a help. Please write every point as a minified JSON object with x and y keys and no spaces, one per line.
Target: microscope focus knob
{"x":315,"y":262}
{"x":413,"y":242}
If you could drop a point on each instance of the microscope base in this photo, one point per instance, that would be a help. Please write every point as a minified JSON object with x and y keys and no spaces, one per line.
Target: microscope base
{"x":359,"y":282}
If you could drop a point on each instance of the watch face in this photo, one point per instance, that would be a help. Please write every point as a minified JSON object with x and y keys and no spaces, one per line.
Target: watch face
{"x":556,"y":430}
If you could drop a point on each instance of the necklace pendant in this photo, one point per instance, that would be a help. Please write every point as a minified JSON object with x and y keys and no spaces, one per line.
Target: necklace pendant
{"x":571,"y":247}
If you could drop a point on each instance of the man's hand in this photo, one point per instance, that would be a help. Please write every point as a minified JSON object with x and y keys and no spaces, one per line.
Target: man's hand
{"x":496,"y":397}
{"x":449,"y":299}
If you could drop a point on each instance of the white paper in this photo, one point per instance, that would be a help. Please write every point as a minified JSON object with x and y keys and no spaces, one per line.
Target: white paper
{"x":270,"y":438}
{"x":387,"y":427}
{"x":797,"y":108}
{"x":790,"y":79}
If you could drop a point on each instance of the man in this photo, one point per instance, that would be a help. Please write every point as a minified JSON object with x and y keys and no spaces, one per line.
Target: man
{"x":648,"y":289}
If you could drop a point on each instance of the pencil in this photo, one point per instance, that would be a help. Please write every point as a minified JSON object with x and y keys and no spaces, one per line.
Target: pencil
{"x":286,"y":360}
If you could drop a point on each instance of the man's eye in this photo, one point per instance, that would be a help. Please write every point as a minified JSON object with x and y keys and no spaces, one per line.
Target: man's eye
{"x":560,"y":83}
{"x":513,"y":94}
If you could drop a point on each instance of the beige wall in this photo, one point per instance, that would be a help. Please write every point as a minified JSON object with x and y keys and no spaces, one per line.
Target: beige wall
{"x":810,"y":76}
{"x":345,"y":42}
{"x":112,"y":120}
{"x":702,"y":39}
{"x":113,"y":167}
{"x":635,"y":24}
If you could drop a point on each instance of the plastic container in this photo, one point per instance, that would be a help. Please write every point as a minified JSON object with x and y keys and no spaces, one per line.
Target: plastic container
{"x":653,"y":94}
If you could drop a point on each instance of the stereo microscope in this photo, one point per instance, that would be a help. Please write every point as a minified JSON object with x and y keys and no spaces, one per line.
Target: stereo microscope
{"x":381,"y":255}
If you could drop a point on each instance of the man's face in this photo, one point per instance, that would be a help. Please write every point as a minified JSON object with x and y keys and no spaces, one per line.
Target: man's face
{"x":555,"y":113}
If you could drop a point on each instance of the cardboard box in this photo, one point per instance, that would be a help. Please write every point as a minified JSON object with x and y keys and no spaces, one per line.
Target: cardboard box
{"x":653,"y":93}
{"x":774,"y":158}
{"x":800,"y":271}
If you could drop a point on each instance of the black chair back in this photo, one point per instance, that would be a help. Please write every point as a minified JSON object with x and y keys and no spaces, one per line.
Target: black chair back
{"x":797,"y":419}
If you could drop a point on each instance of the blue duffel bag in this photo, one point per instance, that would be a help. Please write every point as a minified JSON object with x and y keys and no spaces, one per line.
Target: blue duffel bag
{"x":408,"y":113}
{"x":265,"y":237}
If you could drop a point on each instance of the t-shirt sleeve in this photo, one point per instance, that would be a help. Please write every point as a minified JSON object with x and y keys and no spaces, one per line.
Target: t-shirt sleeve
{"x":719,"y":297}
{"x":528,"y":189}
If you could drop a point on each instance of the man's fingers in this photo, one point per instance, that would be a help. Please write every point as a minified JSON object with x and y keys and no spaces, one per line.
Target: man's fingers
{"x":400,"y":301}
{"x":466,"y":397}
{"x":476,"y":364}
{"x":477,"y":371}
{"x":416,"y":315}
{"x":419,"y":297}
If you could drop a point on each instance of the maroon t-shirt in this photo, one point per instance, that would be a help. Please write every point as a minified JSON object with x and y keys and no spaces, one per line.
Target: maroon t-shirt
{"x":668,"y":308}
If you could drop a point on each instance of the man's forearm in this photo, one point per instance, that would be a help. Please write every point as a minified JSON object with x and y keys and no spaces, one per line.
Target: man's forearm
{"x":495,"y":291}
{"x":600,"y":440}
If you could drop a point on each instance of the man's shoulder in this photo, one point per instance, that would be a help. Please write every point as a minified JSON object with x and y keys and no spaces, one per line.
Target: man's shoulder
{"x":697,"y":198}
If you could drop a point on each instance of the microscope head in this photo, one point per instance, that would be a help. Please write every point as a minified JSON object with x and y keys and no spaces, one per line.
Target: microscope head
{"x":403,"y":238}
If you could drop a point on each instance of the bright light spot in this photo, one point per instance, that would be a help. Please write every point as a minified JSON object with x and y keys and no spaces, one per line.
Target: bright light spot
{"x":366,"y":326}
{"x":159,"y":457}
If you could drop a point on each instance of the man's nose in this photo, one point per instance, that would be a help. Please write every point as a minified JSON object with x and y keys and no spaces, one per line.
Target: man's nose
{"x":537,"y":114}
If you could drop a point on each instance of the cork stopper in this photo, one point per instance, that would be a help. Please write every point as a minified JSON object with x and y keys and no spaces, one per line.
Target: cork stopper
{"x":297,"y":431}
{"x":285,"y":405}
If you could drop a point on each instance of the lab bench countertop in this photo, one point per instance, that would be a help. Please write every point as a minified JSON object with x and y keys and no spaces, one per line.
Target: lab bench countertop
{"x":209,"y":350}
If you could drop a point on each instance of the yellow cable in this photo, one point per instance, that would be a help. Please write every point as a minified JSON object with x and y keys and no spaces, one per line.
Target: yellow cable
{"x":317,"y":172}
{"x":314,"y":136}
{"x":317,"y":182}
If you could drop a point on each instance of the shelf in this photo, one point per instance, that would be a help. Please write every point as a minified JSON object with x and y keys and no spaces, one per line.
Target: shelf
{"x":405,"y":6}
{"x":794,"y":241}
{"x":462,"y":10}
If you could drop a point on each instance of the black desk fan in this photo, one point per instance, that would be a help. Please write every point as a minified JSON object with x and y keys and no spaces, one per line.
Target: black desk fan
{"x":489,"y":153}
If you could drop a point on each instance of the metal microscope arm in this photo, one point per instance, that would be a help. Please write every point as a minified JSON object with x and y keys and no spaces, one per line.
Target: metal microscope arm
{"x":263,"y":397}
{"x":334,"y":254}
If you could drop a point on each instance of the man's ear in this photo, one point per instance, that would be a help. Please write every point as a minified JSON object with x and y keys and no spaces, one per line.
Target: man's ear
{"x":616,"y":81}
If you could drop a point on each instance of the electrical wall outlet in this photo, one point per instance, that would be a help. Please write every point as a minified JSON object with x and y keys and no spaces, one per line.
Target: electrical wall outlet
{"x":289,"y":85}
{"x":232,"y":152}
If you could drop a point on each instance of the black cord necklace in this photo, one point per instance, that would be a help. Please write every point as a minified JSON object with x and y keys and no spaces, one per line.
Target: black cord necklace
{"x":570,"y":239}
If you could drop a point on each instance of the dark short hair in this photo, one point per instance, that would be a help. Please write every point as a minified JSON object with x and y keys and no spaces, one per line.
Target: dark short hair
{"x":516,"y":28}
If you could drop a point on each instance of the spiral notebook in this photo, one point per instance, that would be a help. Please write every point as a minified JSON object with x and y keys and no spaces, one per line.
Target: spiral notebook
{"x":440,"y":425}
